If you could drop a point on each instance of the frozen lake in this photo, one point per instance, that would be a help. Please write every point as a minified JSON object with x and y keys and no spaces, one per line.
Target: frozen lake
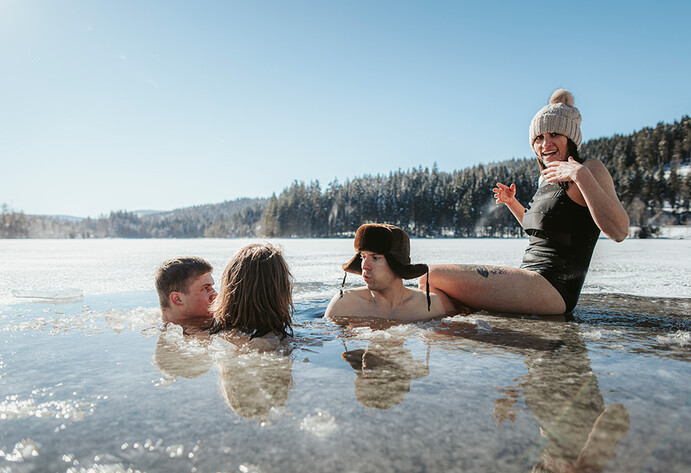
{"x":95,"y":383}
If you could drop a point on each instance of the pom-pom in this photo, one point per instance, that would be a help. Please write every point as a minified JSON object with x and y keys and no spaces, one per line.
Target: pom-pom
{"x":562,"y":96}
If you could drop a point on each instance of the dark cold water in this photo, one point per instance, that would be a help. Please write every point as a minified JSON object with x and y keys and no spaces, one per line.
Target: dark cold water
{"x":94,"y":383}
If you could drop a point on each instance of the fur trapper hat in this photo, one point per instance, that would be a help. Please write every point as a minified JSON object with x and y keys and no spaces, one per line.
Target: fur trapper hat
{"x":558,"y":116}
{"x":390,"y":241}
{"x":393,"y":243}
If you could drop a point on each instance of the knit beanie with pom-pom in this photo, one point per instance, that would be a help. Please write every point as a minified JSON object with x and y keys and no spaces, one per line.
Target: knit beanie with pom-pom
{"x":558,"y":116}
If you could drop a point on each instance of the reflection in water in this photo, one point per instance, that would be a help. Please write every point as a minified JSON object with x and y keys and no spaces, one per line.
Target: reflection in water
{"x":384,"y":372}
{"x":563,"y":395}
{"x":561,"y":392}
{"x":179,"y":355}
{"x":254,"y":384}
{"x":105,"y":354}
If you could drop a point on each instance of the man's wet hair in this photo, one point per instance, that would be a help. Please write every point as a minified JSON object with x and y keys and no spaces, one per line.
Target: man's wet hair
{"x":176,"y":275}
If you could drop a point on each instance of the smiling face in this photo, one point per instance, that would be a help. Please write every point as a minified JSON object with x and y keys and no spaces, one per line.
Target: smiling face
{"x":550,"y":147}
{"x":200,"y":294}
{"x":376,"y":271}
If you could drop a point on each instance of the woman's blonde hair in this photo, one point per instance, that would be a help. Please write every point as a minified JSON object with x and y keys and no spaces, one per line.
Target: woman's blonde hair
{"x":256,"y":293}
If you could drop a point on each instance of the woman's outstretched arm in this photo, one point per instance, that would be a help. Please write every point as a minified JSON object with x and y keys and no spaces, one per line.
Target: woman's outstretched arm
{"x":507,"y":195}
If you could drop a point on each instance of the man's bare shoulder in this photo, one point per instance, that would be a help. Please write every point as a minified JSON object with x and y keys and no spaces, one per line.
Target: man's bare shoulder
{"x":437,"y":306}
{"x":351,"y":303}
{"x":416,"y":306}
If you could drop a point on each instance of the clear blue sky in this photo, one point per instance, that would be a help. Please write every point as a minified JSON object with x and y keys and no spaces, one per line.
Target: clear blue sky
{"x":109,"y":105}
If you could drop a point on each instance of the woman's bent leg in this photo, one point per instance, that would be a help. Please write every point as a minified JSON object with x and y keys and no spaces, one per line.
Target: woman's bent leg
{"x":494,"y":288}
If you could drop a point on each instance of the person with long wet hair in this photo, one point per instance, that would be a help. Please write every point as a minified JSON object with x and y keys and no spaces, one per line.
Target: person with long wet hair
{"x":574,"y":202}
{"x":255,"y":299}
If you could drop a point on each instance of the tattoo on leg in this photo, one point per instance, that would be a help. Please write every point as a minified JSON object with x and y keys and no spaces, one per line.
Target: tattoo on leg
{"x":484,"y":271}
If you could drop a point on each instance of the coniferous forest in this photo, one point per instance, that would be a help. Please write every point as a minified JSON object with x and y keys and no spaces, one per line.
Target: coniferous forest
{"x":649,"y":168}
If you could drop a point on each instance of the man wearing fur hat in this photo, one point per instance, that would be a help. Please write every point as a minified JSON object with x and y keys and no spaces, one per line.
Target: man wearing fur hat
{"x":383,"y":260}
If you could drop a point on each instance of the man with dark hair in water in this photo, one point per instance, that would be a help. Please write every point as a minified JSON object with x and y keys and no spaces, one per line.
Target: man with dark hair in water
{"x":185,"y":289}
{"x":383,"y":261}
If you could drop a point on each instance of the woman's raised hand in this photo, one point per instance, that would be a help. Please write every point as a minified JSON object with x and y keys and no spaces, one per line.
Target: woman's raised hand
{"x":561,"y":171}
{"x":504,"y":194}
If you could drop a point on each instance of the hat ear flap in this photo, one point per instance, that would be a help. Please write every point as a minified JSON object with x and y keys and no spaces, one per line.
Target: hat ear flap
{"x":406,"y":271}
{"x":354,"y":265}
{"x":429,"y":299}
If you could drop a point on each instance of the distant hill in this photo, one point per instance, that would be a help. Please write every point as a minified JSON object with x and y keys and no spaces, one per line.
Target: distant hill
{"x":69,"y":218}
{"x":226,"y":219}
{"x":211,"y":211}
{"x":231,"y":218}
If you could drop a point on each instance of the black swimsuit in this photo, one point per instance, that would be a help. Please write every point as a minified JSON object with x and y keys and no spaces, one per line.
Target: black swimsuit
{"x":562,"y":238}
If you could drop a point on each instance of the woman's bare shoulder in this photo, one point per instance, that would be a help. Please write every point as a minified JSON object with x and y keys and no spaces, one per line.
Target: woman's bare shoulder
{"x":595,"y":166}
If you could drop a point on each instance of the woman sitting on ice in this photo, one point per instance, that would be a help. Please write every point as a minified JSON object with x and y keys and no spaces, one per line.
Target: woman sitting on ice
{"x":575,"y":200}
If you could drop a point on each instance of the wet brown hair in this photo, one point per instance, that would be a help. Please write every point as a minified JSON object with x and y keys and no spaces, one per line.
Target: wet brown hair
{"x":176,"y":275}
{"x":256,"y":293}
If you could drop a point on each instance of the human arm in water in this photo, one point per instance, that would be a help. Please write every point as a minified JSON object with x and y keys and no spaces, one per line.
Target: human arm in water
{"x":507,"y":195}
{"x":596,"y":187}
